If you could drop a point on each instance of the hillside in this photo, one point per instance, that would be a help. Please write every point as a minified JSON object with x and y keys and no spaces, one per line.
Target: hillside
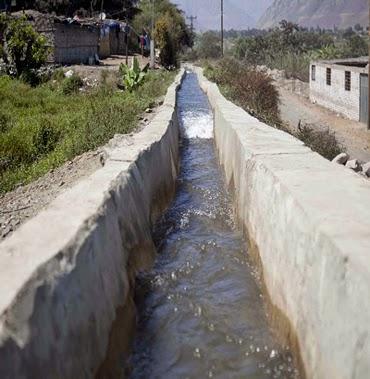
{"x":323,"y":13}
{"x":239,"y":14}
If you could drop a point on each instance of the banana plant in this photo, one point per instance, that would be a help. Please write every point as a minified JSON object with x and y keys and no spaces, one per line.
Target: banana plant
{"x":133,"y":76}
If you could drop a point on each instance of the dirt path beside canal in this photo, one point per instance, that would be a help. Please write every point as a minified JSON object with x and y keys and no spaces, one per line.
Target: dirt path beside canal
{"x":353,"y":135}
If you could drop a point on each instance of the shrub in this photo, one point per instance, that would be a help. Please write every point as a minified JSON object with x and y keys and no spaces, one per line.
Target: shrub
{"x":46,"y":137}
{"x":323,"y":142}
{"x":24,"y":50}
{"x":208,"y":45}
{"x":71,"y":84}
{"x":133,"y":76}
{"x":168,"y":51}
{"x":4,"y":121}
{"x":58,"y":75}
{"x":251,"y":89}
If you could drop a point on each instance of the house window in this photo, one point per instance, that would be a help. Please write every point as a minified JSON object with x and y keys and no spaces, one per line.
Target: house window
{"x":328,"y":76}
{"x":347,"y":80}
{"x":313,"y":73}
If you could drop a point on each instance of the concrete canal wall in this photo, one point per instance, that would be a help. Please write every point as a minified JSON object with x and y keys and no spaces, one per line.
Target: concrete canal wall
{"x":67,"y":272}
{"x":309,"y":222}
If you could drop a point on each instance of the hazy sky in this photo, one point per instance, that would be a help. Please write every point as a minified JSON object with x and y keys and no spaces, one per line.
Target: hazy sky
{"x":239,"y":14}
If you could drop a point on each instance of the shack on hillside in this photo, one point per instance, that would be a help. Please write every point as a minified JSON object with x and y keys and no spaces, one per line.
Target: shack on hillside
{"x":72,"y":41}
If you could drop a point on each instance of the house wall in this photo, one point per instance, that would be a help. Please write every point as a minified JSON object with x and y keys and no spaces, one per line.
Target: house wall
{"x":117,"y":42}
{"x":104,"y":46}
{"x":335,"y":97}
{"x":75,"y":44}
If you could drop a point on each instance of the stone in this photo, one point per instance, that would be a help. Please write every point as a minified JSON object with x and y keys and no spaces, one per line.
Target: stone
{"x":7,"y":230}
{"x":354,"y":165}
{"x":102,"y":159}
{"x":69,"y":73}
{"x":341,"y":158}
{"x":366,"y":169}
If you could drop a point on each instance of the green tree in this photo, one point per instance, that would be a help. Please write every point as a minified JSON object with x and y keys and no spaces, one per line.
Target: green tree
{"x":24,"y":50}
{"x":356,"y":46}
{"x":165,"y":43}
{"x":171,"y":32}
{"x":208,"y":45}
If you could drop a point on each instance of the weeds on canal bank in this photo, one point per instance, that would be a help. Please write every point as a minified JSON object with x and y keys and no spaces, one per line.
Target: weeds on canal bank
{"x":42,"y":127}
{"x":249,"y":88}
{"x":323,"y":142}
{"x":255,"y":92}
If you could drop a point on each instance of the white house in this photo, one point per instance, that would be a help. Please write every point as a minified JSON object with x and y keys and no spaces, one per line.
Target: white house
{"x":342,"y":86}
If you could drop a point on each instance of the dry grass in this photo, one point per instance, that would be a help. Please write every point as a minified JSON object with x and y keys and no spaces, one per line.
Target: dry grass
{"x":249,"y":88}
{"x":322,"y":141}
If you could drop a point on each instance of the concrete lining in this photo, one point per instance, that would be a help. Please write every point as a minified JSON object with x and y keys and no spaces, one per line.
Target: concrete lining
{"x":65,"y":273}
{"x":309,"y":221}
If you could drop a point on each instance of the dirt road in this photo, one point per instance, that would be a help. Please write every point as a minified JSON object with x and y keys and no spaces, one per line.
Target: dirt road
{"x":353,"y":135}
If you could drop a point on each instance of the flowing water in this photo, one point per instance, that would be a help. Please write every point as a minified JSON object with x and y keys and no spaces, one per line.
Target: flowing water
{"x":201,"y":311}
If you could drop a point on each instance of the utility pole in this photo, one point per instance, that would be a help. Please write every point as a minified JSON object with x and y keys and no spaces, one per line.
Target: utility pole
{"x":152,"y":47}
{"x":192,"y":19}
{"x":222,"y":28}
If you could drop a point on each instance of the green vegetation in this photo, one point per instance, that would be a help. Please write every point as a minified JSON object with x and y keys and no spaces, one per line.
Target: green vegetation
{"x":291,"y":48}
{"x":133,"y":76}
{"x":23,"y":50}
{"x":71,"y":85}
{"x":249,"y":88}
{"x":323,"y":142}
{"x":42,"y":127}
{"x":254,"y":91}
{"x":208,"y":45}
{"x":171,"y":33}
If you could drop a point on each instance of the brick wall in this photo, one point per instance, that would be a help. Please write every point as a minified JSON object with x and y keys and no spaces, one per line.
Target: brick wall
{"x":75,"y":44}
{"x":335,"y":97}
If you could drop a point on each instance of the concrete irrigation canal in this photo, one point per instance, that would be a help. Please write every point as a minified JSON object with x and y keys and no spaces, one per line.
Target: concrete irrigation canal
{"x":201,"y":311}
{"x":210,"y":245}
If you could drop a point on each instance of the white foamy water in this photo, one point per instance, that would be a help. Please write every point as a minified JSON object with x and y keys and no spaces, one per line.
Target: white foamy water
{"x":197,"y":125}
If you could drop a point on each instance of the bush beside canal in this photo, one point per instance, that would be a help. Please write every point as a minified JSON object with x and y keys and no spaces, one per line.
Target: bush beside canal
{"x":255,"y":92}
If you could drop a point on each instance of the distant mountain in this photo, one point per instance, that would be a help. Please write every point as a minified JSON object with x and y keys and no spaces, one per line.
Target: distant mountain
{"x":239,"y":14}
{"x":323,"y":13}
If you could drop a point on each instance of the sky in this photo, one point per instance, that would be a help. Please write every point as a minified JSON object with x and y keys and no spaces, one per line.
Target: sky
{"x":239,"y":14}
